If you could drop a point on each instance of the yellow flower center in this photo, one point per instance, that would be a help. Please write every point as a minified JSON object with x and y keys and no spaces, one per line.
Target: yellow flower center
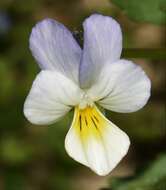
{"x":88,"y":122}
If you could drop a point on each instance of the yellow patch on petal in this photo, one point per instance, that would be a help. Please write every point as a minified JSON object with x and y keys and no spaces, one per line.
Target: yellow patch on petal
{"x":89,"y":122}
{"x":95,"y":141}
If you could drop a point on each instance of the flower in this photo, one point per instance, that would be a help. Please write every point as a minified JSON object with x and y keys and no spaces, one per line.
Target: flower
{"x":83,"y":79}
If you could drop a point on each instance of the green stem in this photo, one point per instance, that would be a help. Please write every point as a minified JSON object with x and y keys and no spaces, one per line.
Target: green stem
{"x":157,"y":53}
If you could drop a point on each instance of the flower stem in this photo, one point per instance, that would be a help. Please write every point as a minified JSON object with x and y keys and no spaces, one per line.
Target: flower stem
{"x":156,"y":53}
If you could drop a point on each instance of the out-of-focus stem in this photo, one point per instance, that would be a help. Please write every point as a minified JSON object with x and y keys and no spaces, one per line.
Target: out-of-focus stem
{"x":156,"y":53}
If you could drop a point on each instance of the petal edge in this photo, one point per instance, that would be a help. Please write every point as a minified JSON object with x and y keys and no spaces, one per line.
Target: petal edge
{"x":49,"y":98}
{"x":122,"y":87}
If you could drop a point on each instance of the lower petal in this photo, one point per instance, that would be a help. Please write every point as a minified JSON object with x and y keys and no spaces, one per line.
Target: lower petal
{"x":95,"y":141}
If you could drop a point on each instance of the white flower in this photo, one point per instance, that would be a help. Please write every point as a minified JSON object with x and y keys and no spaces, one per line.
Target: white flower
{"x":82,"y":79}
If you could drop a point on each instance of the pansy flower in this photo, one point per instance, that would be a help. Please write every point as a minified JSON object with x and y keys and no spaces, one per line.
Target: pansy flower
{"x":83,"y":80}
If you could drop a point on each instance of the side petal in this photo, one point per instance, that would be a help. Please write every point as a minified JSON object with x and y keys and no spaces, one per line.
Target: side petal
{"x":102,"y":45}
{"x":54,"y":48}
{"x":95,"y":141}
{"x":52,"y":95}
{"x":122,"y":87}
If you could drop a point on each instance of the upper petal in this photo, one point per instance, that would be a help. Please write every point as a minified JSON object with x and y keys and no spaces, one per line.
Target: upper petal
{"x":102,"y":45}
{"x":122,"y":87}
{"x":95,"y":141}
{"x":54,"y":48}
{"x":52,"y":95}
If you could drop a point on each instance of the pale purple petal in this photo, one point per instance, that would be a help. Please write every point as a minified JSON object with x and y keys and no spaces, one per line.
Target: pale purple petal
{"x":102,"y":45}
{"x":54,"y":48}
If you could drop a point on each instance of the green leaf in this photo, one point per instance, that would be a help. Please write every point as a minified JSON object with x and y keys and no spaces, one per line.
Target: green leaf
{"x":152,"y":178}
{"x":144,"y":11}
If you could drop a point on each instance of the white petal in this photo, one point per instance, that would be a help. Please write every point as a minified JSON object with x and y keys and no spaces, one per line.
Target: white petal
{"x":95,"y":141}
{"x":102,"y":45}
{"x":52,"y":95}
{"x":122,"y":87}
{"x":54,"y":47}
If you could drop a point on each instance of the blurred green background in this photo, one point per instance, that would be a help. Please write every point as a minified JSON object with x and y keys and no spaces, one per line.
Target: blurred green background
{"x":33,"y":157}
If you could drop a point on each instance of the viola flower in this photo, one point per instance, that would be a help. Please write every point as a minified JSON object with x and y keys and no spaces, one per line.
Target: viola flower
{"x":83,"y":79}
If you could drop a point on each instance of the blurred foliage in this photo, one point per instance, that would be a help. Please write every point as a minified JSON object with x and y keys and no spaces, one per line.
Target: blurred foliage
{"x":146,"y":129}
{"x":33,"y":157}
{"x":144,"y":11}
{"x":152,"y":177}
